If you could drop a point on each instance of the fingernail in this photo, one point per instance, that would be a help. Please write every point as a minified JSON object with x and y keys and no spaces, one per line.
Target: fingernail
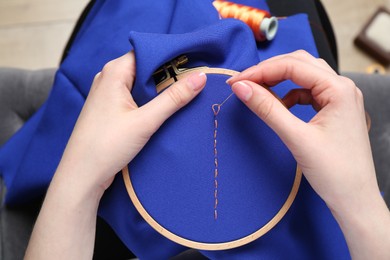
{"x":243,"y":91}
{"x":196,"y":81}
{"x":229,"y":80}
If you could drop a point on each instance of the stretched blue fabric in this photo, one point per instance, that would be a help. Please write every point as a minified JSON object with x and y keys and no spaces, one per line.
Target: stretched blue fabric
{"x":159,"y":31}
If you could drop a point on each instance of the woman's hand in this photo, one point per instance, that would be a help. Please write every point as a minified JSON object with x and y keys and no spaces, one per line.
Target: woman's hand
{"x":109,"y":133}
{"x":112,"y":129}
{"x":333,"y":149}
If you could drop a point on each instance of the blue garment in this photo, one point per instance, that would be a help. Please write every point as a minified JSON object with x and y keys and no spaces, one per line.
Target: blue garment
{"x":160,"y":31}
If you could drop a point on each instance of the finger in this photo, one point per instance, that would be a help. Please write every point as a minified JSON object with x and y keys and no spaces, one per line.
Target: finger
{"x":287,"y":68}
{"x":120,"y":70}
{"x":300,"y":97}
{"x":269,"y":109}
{"x":173,"y":98}
{"x":278,"y":69}
{"x":307,"y":57}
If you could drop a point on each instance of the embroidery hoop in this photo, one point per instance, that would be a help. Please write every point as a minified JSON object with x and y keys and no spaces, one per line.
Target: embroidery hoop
{"x":201,"y":245}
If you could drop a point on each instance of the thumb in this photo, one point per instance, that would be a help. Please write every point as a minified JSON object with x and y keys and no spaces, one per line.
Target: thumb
{"x":173,"y":98}
{"x":266,"y":105}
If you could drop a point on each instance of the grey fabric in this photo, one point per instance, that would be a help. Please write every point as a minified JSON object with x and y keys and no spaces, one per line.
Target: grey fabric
{"x":376,"y":91}
{"x":190,"y":254}
{"x":22,"y":92}
{"x":15,"y":229}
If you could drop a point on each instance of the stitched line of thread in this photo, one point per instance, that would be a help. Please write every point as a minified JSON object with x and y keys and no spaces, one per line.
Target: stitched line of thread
{"x":216,"y":108}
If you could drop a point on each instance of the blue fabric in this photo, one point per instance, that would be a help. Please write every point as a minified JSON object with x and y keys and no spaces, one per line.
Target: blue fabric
{"x":160,"y":31}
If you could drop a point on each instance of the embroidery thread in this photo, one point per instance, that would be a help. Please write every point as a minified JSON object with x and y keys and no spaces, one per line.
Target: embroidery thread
{"x":216,"y":109}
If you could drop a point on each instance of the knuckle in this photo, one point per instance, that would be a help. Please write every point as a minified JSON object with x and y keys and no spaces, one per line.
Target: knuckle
{"x":114,"y":65}
{"x":117,"y":73}
{"x":109,"y":67}
{"x":97,"y":77}
{"x":348,"y":82}
{"x":359,"y":94}
{"x":322,"y":61}
{"x":124,"y":78}
{"x":348,"y":85}
{"x":301,"y":53}
{"x":324,"y":65}
{"x":337,"y":87}
{"x":347,"y":88}
{"x":290,"y":67}
{"x":263,"y":108}
{"x":177,"y":95}
{"x":95,"y":82}
{"x":125,"y":72}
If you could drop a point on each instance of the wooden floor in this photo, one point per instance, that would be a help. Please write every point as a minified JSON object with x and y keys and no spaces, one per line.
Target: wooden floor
{"x":33,"y":32}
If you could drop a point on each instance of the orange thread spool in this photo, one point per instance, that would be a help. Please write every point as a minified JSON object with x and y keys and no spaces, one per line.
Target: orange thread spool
{"x":263,"y":25}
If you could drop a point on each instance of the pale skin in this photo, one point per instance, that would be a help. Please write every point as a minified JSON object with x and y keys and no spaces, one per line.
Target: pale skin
{"x":333,"y":149}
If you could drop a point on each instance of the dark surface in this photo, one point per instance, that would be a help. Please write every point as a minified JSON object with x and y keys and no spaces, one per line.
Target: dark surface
{"x":319,"y":22}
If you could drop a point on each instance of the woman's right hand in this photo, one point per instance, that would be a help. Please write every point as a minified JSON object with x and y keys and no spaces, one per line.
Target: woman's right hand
{"x":333,"y":149}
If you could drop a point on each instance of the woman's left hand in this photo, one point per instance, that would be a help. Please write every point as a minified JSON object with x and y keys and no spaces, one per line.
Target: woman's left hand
{"x":112,"y":129}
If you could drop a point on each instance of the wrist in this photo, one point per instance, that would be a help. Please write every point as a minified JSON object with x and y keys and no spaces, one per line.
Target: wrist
{"x":365,"y":223}
{"x":82,"y":173}
{"x":75,"y":193}
{"x":77,"y":181}
{"x":67,"y":220}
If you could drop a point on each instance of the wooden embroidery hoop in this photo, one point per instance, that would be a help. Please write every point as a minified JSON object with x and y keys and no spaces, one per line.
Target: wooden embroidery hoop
{"x":211,"y":246}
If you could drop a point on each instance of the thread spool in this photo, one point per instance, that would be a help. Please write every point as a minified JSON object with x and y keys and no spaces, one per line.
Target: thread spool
{"x":263,"y":25}
{"x":376,"y":69}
